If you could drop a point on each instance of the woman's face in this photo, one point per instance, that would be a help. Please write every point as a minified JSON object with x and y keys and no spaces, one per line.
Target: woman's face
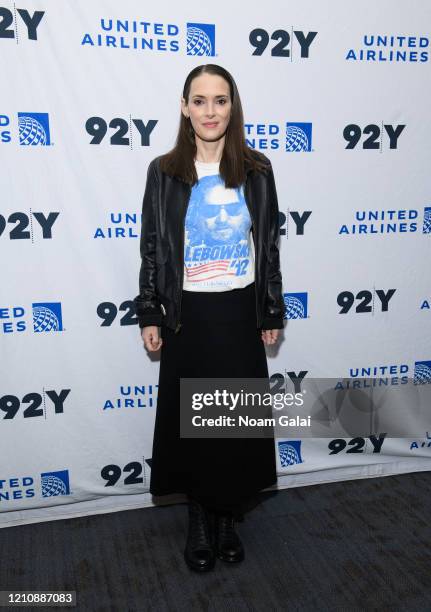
{"x":209,"y":106}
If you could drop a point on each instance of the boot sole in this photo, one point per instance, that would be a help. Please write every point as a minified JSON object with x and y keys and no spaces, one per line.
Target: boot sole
{"x":229,"y":559}
{"x":199,"y":568}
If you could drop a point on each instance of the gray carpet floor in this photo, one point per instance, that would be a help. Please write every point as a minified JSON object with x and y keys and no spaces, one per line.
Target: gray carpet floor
{"x":355,"y":545}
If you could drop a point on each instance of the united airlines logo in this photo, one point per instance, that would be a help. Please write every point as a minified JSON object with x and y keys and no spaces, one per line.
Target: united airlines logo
{"x":34,"y":129}
{"x":298,"y":137}
{"x":386,"y":374}
{"x":200,"y":39}
{"x":394,"y":221}
{"x":422,"y":373}
{"x":398,"y":49}
{"x":133,"y":396}
{"x":290,"y":137}
{"x":119,"y":225}
{"x":296,"y":305}
{"x":47,"y":317}
{"x":289,"y":452}
{"x":197,"y":39}
{"x":425,"y":443}
{"x":55,"y":483}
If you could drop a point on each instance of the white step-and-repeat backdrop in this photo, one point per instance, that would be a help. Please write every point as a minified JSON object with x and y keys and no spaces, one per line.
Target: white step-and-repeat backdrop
{"x":335,"y":93}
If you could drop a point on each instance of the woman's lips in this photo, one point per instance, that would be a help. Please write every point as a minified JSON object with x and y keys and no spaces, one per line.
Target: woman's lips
{"x":210,"y":125}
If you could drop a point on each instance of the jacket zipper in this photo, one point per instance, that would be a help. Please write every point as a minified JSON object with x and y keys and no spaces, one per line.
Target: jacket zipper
{"x":180,"y":290}
{"x":255,"y":249}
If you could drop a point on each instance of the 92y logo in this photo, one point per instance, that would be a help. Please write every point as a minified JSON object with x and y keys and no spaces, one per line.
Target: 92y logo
{"x":20,"y":221}
{"x":366,"y":301}
{"x":259,"y":39}
{"x":108,"y":312}
{"x":122,"y":133}
{"x":31,"y":404}
{"x":31,"y":22}
{"x":357,"y":445}
{"x":299,"y":219}
{"x":353,"y":133}
{"x":113,"y":474}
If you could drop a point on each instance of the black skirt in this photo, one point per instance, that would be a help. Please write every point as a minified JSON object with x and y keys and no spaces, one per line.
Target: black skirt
{"x":218,"y":338}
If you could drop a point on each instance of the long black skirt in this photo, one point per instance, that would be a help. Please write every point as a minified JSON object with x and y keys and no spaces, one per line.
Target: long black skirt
{"x":218,"y":338}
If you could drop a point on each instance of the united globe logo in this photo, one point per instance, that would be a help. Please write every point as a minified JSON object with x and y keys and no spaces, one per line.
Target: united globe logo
{"x":200,"y":39}
{"x":296,"y":305}
{"x":289,"y":452}
{"x":422,"y":373}
{"x":47,"y":317}
{"x":298,"y":137}
{"x":55,"y":483}
{"x":426,"y":229}
{"x":34,"y":129}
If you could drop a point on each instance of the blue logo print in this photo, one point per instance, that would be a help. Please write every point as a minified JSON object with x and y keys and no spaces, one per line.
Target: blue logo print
{"x":289,"y":452}
{"x":55,"y":483}
{"x":427,"y":221}
{"x":200,"y":39}
{"x":422,"y":375}
{"x":296,"y":305}
{"x":298,"y":137}
{"x":34,"y":129}
{"x":47,"y":317}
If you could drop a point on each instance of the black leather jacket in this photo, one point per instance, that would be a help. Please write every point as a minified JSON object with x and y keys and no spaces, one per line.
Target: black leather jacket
{"x":162,"y":248}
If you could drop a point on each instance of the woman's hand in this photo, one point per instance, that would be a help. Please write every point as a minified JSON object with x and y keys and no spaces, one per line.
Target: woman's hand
{"x":150,"y":336}
{"x":269,"y":336}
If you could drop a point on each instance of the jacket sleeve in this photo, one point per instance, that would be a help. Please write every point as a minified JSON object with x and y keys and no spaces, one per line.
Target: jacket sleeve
{"x":147,"y":303}
{"x":274,"y":309}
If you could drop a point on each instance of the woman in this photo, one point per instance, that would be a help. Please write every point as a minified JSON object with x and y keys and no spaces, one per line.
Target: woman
{"x":210,"y":298}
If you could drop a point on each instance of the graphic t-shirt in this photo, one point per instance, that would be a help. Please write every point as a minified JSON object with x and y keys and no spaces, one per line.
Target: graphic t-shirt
{"x":218,"y":248}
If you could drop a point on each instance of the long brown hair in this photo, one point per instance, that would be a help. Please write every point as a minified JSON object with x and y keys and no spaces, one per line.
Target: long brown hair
{"x":236,"y":158}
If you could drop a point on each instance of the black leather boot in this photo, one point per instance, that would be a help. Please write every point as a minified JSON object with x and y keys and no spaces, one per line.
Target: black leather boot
{"x":199,"y":552}
{"x":228,"y":545}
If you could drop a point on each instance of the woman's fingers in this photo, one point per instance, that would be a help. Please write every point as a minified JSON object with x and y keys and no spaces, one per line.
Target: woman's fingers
{"x":269,"y":336}
{"x":151,"y":338}
{"x":155,"y":343}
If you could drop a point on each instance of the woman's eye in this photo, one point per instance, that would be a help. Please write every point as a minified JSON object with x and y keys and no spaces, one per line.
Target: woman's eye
{"x":199,"y":102}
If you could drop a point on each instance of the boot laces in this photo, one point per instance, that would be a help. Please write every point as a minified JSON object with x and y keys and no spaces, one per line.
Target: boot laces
{"x":199,"y":532}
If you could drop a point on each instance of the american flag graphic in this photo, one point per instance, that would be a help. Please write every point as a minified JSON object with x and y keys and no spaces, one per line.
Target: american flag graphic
{"x":209,"y":270}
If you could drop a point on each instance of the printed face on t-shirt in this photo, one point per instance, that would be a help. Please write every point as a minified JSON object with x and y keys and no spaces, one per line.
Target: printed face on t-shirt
{"x":218,"y":248}
{"x":220,"y":215}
